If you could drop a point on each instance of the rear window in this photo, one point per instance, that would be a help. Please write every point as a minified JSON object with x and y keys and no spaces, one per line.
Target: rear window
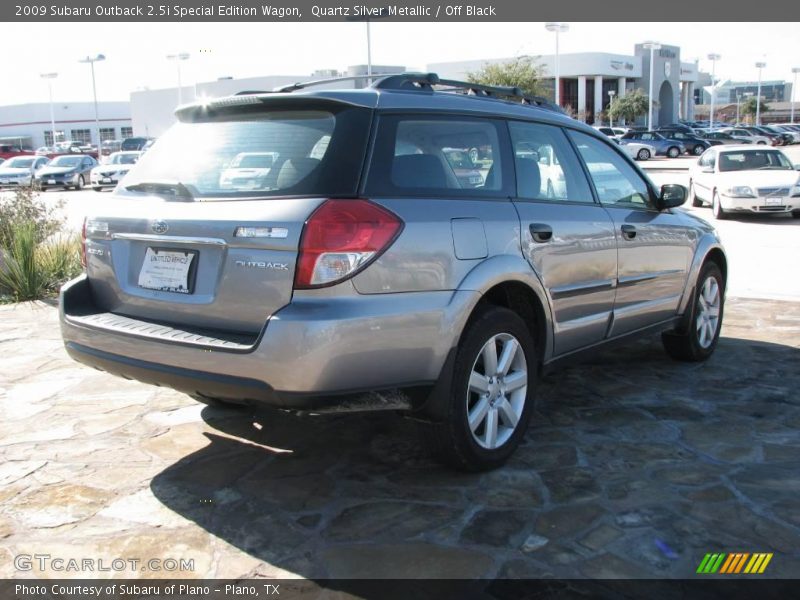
{"x":276,"y":153}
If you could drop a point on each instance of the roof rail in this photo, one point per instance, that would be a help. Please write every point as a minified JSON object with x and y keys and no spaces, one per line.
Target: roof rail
{"x":427,"y":81}
{"x":293,"y":87}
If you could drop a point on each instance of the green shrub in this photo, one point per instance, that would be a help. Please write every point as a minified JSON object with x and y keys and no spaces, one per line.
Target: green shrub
{"x":34,"y":258}
{"x":26,"y":207}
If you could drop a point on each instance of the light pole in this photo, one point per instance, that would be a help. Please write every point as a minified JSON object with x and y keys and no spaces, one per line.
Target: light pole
{"x":369,"y":54}
{"x":49,"y":77}
{"x":178,"y":58}
{"x":759,"y":66}
{"x":795,"y":71}
{"x":747,"y":96}
{"x":713,"y":58}
{"x":738,"y":101}
{"x":611,"y":94}
{"x":91,"y":60}
{"x":652,"y":46}
{"x":558,"y":28}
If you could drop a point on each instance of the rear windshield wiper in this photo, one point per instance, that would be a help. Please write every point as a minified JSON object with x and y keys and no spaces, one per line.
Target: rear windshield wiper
{"x":174,"y":189}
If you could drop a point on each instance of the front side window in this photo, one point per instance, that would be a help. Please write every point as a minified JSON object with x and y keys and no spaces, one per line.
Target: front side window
{"x":546,"y":165}
{"x":417,"y":155}
{"x":617,"y":183}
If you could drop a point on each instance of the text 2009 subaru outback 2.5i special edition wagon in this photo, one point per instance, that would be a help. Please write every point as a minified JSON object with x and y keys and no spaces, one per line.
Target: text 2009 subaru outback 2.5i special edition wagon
{"x":359,"y":262}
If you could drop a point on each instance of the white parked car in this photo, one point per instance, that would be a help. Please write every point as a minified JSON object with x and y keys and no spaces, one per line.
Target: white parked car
{"x":639,"y":151}
{"x":747,"y":136}
{"x":247,"y":170}
{"x":111,"y":173}
{"x":745,"y":179}
{"x":19,"y":171}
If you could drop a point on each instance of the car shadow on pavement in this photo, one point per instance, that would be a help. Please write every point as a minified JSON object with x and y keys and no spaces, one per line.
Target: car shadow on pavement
{"x":631,"y":445}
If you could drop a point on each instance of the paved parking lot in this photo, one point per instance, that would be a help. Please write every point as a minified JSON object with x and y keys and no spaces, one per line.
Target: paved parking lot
{"x":636,"y":466}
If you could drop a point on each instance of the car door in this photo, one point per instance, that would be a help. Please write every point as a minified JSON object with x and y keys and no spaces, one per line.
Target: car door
{"x":567,"y":238}
{"x":654,"y":248}
{"x":703,"y":175}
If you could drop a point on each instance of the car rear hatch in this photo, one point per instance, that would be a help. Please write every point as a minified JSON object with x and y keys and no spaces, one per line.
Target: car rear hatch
{"x":174,"y":251}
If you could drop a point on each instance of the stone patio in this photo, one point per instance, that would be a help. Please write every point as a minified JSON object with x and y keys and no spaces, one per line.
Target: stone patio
{"x":636,"y":466}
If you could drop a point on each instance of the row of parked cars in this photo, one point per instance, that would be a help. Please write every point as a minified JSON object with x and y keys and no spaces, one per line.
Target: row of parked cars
{"x":677,"y":139}
{"x":68,"y":171}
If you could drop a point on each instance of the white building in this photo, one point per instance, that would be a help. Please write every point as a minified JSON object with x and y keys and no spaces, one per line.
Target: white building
{"x":153,"y":110}
{"x":586,"y":78}
{"x":29,"y":125}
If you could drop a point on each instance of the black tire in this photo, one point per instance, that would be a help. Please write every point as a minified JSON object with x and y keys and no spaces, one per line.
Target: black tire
{"x":698,"y":150}
{"x":80,"y":184}
{"x":696,"y":202}
{"x":761,"y":143}
{"x":643,"y":154}
{"x":673,"y":152}
{"x":685,"y":345}
{"x":716,"y":207}
{"x":97,"y":189}
{"x":474,"y":155}
{"x":452,"y":440}
{"x":796,"y":214}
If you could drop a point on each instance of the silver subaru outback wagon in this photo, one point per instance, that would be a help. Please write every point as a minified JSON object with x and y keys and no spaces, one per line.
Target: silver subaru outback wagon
{"x":317,"y":249}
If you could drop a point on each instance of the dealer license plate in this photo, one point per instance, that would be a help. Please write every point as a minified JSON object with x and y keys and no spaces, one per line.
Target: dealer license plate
{"x":168,"y":270}
{"x":106,"y":180}
{"x":773,"y":201}
{"x":51,"y":181}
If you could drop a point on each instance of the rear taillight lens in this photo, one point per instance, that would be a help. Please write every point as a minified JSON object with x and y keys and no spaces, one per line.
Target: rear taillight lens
{"x":342,"y":237}
{"x":83,"y":244}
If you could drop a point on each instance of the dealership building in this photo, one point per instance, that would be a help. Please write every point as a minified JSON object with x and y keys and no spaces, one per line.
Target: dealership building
{"x":30,"y":126}
{"x":586,"y":78}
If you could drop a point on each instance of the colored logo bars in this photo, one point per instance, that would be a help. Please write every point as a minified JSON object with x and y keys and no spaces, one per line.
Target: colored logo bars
{"x":734,"y":563}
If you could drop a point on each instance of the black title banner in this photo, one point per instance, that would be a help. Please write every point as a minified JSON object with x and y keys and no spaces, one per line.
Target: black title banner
{"x":411,"y":10}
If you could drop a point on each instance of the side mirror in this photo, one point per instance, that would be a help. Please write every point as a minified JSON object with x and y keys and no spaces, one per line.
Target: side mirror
{"x":672,"y":195}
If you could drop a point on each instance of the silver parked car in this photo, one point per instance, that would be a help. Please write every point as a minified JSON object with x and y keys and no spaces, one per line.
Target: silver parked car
{"x":361,"y":272}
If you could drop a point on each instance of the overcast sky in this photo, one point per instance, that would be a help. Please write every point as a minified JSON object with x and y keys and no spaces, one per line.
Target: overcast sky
{"x":136,"y":52}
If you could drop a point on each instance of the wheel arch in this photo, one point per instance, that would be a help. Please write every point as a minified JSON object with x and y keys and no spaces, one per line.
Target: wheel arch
{"x":709,"y":249}
{"x":506,"y":281}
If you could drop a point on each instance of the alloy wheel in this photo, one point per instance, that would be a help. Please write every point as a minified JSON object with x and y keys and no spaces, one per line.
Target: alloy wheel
{"x":497,"y":390}
{"x":709,"y":302}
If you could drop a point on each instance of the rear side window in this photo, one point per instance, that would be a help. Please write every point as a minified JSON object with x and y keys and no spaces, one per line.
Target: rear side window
{"x":546,"y":165}
{"x":275,"y":153}
{"x":430,"y":156}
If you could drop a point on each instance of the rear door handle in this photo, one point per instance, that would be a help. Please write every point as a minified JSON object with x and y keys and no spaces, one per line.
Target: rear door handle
{"x":541,"y":232}
{"x":628,"y":232}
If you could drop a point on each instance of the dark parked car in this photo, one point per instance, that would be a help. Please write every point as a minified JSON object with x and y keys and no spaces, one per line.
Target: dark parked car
{"x":694,"y":144}
{"x":722,"y":138}
{"x":134,"y":143}
{"x":663,"y":146}
{"x":778,"y":139}
{"x":465,"y":170}
{"x":65,"y":171}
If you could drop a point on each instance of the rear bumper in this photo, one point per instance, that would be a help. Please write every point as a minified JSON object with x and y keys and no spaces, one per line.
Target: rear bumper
{"x":313,"y":353}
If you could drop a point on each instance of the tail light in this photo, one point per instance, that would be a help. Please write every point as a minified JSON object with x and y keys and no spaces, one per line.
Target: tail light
{"x":83,"y":244}
{"x":342,"y":237}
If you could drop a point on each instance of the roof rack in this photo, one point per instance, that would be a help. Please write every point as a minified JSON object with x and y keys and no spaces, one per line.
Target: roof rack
{"x":423,"y":82}
{"x":427,"y":81}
